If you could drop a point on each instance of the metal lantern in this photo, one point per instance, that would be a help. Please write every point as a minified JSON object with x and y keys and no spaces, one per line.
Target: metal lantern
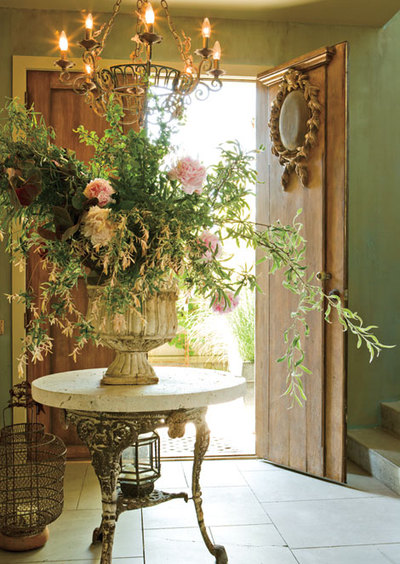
{"x":140,"y":466}
{"x":32,"y":465}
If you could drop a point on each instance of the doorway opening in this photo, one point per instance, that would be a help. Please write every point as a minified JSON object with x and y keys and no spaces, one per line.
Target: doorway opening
{"x":213,"y":340}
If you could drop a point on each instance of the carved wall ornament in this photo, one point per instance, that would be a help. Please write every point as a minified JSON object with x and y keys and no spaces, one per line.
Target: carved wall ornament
{"x":294,"y":124}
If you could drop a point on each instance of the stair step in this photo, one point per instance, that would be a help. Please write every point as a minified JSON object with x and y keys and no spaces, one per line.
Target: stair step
{"x":378,"y":452}
{"x":391,"y":416}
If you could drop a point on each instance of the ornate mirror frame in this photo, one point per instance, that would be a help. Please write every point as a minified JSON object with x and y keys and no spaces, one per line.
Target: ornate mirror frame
{"x":295,"y":160}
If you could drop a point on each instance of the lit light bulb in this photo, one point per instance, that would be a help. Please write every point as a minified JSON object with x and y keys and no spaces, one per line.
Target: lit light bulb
{"x":149,"y":14}
{"x":88,"y":69}
{"x":89,"y":22}
{"x":89,"y":27}
{"x":206,"y":28}
{"x":63,"y":44}
{"x":217,"y":51}
{"x":188,"y":69}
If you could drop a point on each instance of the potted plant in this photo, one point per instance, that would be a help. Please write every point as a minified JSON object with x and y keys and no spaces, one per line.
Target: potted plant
{"x":136,"y":223}
{"x":242,"y":321}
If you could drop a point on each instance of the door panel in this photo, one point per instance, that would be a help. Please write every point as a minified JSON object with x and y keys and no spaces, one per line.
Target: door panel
{"x":64,"y":110}
{"x":310,"y":438}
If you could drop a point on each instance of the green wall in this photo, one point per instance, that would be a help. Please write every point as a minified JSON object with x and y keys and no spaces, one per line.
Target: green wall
{"x":374,"y":174}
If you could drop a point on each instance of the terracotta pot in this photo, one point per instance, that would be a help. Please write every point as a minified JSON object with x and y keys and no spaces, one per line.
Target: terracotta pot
{"x":28,"y":542}
{"x":156,"y":325}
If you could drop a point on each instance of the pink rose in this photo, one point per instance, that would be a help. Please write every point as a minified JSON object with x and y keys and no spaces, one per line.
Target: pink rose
{"x":100,"y":189}
{"x":190,"y":173}
{"x":213,"y":244}
{"x":220,"y":305}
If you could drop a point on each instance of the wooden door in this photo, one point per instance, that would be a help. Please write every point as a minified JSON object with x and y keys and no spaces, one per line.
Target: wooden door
{"x":312,"y":438}
{"x":64,"y":110}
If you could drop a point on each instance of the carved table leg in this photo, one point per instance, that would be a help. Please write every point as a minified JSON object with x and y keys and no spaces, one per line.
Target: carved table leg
{"x":200,"y":449}
{"x":106,"y":439}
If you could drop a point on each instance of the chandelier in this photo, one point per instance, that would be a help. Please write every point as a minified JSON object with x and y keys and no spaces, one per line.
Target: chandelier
{"x":131,"y":84}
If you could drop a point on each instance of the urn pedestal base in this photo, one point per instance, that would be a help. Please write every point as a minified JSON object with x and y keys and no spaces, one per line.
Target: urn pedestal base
{"x":140,"y":332}
{"x":130,"y":368}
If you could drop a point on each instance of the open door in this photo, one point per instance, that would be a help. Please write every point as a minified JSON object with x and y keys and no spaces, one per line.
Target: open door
{"x":312,"y":438}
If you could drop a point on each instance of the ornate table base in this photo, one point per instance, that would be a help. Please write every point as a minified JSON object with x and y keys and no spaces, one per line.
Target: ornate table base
{"x":108,"y":434}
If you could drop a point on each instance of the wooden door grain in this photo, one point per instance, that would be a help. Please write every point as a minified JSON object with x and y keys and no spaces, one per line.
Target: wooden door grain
{"x":310,"y":438}
{"x":64,"y":110}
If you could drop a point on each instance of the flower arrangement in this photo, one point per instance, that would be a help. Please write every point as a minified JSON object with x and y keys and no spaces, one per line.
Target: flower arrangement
{"x":132,"y":223}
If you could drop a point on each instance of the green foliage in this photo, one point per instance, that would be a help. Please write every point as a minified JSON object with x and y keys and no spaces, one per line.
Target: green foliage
{"x":205,"y":332}
{"x":151,"y":232}
{"x":242,"y":321}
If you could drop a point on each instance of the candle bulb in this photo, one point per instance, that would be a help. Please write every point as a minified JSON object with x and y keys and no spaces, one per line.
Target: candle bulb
{"x":206,"y":32}
{"x":63,"y":44}
{"x":89,"y":27}
{"x":88,"y":69}
{"x":216,"y":54}
{"x":149,"y":18}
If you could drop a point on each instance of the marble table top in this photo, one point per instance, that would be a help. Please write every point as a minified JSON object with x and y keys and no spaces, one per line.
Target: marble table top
{"x":178,"y":388}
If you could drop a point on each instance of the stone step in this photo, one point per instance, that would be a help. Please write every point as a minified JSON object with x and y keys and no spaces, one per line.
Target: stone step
{"x":390,"y":411}
{"x":378,"y":452}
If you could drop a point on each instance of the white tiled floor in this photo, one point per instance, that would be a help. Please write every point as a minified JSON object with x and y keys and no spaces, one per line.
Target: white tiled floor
{"x":261,"y":514}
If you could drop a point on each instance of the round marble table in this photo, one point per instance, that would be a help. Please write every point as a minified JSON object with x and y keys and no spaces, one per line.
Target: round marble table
{"x":108,"y":419}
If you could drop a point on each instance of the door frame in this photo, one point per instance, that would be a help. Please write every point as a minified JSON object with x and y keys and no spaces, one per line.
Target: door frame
{"x":20,"y":66}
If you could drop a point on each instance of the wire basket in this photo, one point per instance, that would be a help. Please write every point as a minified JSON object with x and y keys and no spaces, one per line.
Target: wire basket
{"x":32,"y":465}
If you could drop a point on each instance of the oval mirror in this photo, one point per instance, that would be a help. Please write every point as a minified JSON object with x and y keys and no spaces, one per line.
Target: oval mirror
{"x":293,"y":120}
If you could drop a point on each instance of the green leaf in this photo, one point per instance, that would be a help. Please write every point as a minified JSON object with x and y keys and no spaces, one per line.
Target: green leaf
{"x":62,"y":217}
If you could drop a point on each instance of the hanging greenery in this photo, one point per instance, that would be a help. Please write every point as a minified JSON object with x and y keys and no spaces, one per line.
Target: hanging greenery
{"x":134,"y":222}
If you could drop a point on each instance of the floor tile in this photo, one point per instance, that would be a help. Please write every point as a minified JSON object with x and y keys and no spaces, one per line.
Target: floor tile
{"x":216,"y":473}
{"x":128,"y":540}
{"x":286,"y":485}
{"x":344,"y":555}
{"x":255,"y":464}
{"x":391,"y":551}
{"x":337,"y":522}
{"x":170,"y":515}
{"x":73,"y":482}
{"x":176,"y":546}
{"x":247,"y":536}
{"x":172,"y":476}
{"x":95,"y":560}
{"x":71,"y":537}
{"x":232,"y":506}
{"x":90,"y":497}
{"x":260,"y":555}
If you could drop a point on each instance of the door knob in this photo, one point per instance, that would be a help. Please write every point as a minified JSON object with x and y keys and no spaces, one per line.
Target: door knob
{"x":323,"y":275}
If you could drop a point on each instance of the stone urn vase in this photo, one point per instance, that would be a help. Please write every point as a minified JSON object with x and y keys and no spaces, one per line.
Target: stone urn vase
{"x":135,"y":335}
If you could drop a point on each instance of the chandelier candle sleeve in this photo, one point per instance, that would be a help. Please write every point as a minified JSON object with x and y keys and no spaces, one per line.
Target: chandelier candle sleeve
{"x":89,"y":27}
{"x":206,"y":32}
{"x":63,"y":44}
{"x":149,"y":18}
{"x":216,"y":54}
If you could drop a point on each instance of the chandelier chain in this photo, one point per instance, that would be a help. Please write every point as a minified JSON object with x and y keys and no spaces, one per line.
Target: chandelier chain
{"x":185,"y":45}
{"x":107,"y":27}
{"x":138,"y":48}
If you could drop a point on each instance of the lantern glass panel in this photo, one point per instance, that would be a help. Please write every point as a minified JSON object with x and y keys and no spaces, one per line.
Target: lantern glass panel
{"x":140,"y":466}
